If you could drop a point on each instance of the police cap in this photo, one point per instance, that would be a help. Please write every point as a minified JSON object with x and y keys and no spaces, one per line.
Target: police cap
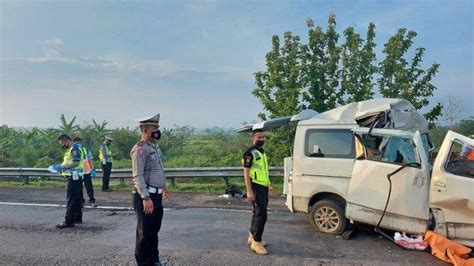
{"x":152,"y":120}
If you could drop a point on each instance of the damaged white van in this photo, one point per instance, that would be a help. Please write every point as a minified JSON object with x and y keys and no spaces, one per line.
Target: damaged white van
{"x":372,"y":159}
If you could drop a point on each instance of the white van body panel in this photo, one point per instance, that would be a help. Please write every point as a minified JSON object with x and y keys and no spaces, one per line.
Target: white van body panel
{"x":451,"y":195}
{"x":312,"y":176}
{"x":287,"y":182}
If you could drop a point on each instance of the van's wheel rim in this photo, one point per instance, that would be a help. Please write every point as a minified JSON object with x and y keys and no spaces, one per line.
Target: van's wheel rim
{"x":327,"y":219}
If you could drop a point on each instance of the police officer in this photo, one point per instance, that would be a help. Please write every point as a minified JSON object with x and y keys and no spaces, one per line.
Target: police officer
{"x":257,"y":182}
{"x":149,"y":191}
{"x":105,"y":156}
{"x":71,"y":169}
{"x":88,"y":170}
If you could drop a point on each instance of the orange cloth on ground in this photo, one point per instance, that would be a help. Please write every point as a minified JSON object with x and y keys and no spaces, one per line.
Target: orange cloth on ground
{"x":448,"y":250}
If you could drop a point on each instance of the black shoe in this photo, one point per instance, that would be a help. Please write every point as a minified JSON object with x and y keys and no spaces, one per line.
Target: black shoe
{"x":64,"y":225}
{"x":92,"y":203}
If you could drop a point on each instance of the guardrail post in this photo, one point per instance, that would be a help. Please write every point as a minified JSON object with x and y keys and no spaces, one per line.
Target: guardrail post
{"x":26,"y":180}
{"x":172,"y":182}
{"x":121,"y":180}
{"x":226,"y":179}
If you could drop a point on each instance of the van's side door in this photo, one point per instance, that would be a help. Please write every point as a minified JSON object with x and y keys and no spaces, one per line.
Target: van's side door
{"x":407,"y":209}
{"x":452,"y":188}
{"x":322,"y":163}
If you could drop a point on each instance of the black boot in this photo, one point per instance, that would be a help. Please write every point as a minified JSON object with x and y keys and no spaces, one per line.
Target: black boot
{"x":64,"y":225}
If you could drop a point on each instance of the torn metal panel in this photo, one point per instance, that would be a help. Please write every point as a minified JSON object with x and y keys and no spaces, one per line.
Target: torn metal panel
{"x":393,"y":113}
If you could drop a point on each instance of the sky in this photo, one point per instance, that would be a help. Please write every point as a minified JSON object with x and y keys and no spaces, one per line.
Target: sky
{"x":192,"y":61}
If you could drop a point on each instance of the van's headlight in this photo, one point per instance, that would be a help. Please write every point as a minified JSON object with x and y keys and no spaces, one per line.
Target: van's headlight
{"x":290,"y":176}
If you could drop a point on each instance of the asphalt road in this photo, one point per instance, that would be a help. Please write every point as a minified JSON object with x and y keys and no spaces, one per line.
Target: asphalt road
{"x":189,"y":236}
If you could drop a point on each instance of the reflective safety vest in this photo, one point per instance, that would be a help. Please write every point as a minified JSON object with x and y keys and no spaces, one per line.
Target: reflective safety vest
{"x":68,"y":159}
{"x":86,"y":162}
{"x":83,"y":153}
{"x":108,"y":152}
{"x":259,"y":170}
{"x":470,"y":155}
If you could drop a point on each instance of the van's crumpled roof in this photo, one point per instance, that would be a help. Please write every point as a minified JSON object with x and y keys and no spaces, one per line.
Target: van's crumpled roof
{"x":400,"y":114}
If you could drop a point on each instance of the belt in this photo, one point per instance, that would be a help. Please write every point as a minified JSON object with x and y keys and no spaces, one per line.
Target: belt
{"x":154,"y":190}
{"x":151,"y":190}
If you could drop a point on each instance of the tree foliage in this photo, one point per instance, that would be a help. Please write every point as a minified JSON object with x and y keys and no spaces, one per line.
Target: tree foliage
{"x":400,"y":78}
{"x":66,"y":127}
{"x":358,"y":68}
{"x":181,"y":145}
{"x":320,"y":65}
{"x":323,"y":73}
{"x":279,"y":88}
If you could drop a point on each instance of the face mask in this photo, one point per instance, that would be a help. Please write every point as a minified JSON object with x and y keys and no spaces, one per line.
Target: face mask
{"x":156,"y":134}
{"x":259,"y":143}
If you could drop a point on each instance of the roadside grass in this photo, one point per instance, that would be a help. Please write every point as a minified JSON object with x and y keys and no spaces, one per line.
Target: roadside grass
{"x":213,"y":185}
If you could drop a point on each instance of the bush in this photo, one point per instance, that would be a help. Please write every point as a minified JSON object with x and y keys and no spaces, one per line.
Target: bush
{"x":44,"y":162}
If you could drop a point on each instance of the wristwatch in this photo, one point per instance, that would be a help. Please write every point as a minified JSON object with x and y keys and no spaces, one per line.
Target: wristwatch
{"x":146,"y":197}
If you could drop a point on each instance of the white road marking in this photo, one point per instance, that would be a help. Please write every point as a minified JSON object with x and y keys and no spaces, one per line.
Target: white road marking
{"x":64,"y":206}
{"x":110,"y":207}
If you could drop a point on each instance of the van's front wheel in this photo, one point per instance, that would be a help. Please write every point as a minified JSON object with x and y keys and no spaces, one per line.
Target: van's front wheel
{"x":327,"y":216}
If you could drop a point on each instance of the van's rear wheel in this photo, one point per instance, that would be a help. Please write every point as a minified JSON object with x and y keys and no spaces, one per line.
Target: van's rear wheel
{"x":327,"y":216}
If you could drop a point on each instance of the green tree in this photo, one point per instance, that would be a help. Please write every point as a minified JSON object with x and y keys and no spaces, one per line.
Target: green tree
{"x":322,"y":74}
{"x":321,"y":66}
{"x":50,"y":146}
{"x":279,"y":89}
{"x":10,"y":142}
{"x":358,"y":65}
{"x":100,"y":128}
{"x":124,"y":139}
{"x":68,"y":127}
{"x":400,"y":78}
{"x":466,"y":126}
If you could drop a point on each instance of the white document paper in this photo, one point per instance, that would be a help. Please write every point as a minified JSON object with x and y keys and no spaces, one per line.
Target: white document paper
{"x":51,"y":169}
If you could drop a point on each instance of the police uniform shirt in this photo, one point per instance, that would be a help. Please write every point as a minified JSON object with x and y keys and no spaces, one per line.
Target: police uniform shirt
{"x":147,"y":167}
{"x":248,"y":157}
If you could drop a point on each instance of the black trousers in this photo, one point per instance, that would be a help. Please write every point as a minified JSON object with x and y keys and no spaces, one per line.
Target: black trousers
{"x":148,"y":226}
{"x":87,"y":179}
{"x":74,"y":201}
{"x":106,"y":169}
{"x":260,"y":205}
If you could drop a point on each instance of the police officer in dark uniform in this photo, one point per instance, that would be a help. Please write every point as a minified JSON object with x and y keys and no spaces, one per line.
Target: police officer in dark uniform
{"x":72,"y":170}
{"x":149,"y":191}
{"x":257,"y":182}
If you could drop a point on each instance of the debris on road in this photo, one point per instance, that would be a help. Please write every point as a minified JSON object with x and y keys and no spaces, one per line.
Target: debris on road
{"x":407,"y":242}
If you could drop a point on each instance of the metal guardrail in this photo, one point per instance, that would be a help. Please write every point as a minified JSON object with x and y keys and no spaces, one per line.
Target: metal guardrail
{"x":25,"y":174}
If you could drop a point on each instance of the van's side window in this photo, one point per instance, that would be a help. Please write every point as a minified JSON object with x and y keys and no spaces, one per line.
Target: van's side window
{"x":458,"y":163}
{"x":330,"y":143}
